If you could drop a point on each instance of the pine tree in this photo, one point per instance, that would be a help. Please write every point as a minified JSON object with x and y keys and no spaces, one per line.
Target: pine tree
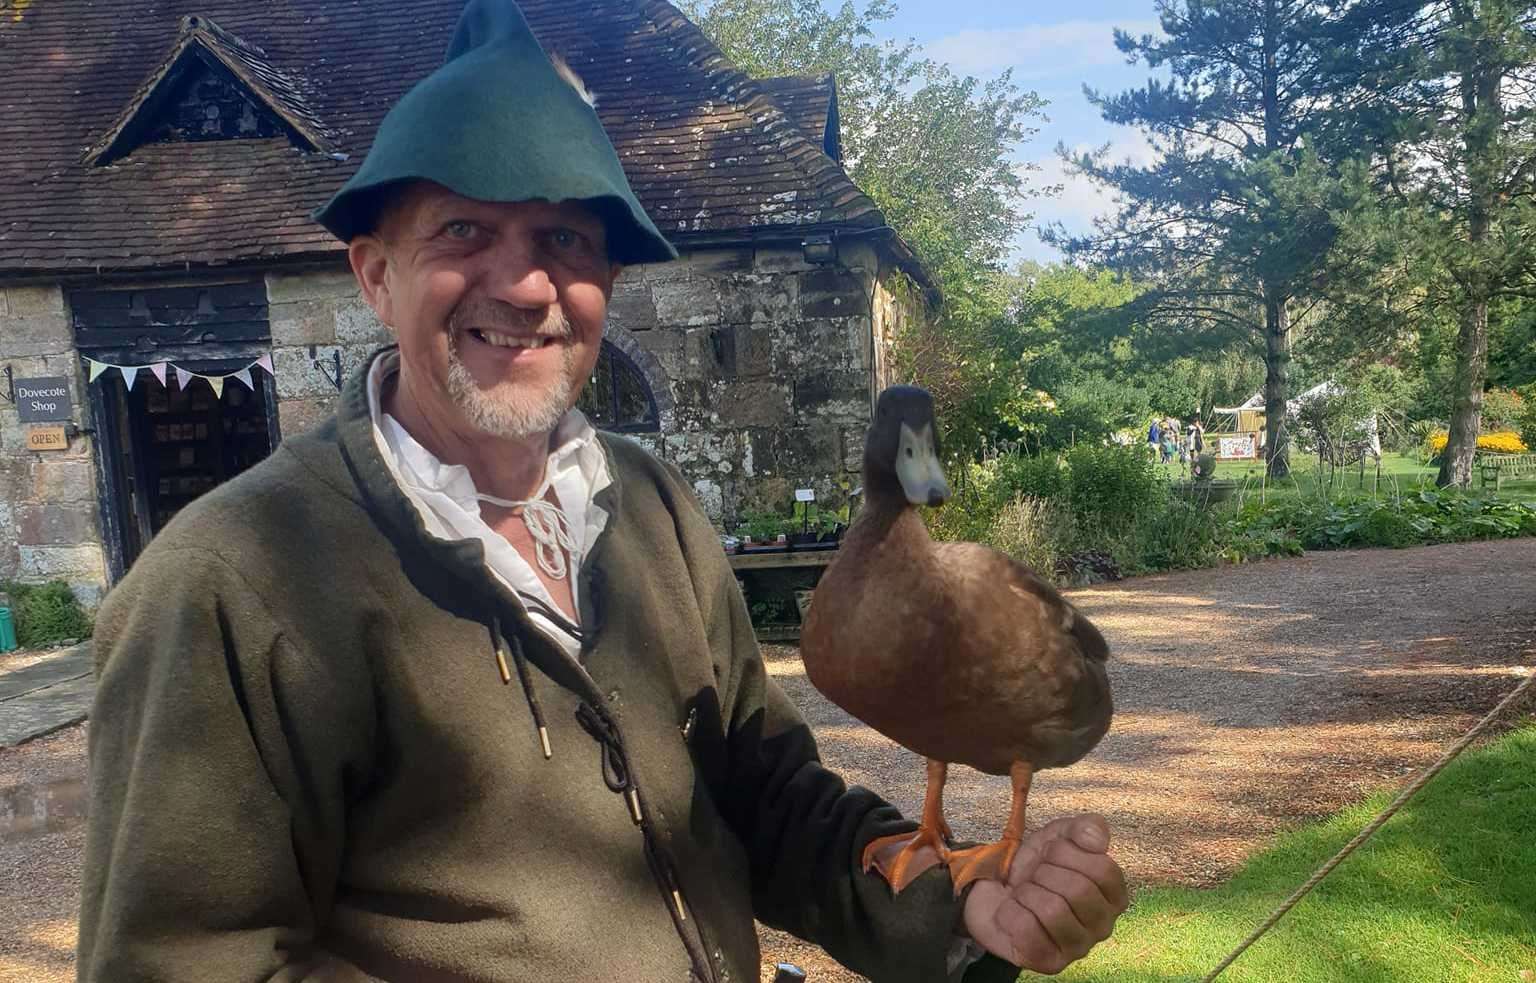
{"x":1235,"y":218}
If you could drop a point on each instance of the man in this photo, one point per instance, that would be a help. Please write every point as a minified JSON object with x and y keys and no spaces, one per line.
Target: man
{"x":455,"y":688}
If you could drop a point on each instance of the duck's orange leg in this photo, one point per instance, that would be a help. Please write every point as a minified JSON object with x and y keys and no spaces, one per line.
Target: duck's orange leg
{"x":990,"y":861}
{"x":924,"y":847}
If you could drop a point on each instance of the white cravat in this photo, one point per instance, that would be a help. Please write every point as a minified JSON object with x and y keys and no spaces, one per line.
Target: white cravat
{"x":445,"y":498}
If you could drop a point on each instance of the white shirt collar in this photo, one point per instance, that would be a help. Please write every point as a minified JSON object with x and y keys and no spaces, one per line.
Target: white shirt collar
{"x":443,"y":495}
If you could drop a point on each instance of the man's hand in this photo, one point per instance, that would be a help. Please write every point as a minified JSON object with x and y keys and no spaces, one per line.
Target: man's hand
{"x":1062,"y":897}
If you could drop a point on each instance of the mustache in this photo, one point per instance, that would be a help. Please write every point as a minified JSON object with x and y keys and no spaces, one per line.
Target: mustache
{"x":548,"y":323}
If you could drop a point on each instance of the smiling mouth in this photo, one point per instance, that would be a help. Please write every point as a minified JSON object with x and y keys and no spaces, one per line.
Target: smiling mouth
{"x":499,"y":340}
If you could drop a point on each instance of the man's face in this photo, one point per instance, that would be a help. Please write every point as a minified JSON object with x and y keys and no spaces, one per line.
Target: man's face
{"x":498,"y":308}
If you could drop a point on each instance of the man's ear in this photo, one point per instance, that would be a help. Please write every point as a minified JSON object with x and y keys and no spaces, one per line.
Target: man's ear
{"x":369,"y":256}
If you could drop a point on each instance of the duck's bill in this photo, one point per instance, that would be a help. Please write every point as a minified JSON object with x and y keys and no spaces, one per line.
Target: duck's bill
{"x":918,"y":469}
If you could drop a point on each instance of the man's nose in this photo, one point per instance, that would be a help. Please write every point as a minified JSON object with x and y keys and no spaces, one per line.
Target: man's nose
{"x":515,"y":272}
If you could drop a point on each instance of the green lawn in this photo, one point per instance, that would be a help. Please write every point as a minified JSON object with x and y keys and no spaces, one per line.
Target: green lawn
{"x":1398,"y":471}
{"x":1446,"y":891}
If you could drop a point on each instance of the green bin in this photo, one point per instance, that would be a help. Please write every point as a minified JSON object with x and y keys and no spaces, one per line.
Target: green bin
{"x":7,"y":630}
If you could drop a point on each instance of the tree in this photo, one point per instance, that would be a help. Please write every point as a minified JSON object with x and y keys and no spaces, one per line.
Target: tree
{"x":1232,"y":223}
{"x":932,"y":149}
{"x":1478,"y":175}
{"x":1454,"y":224}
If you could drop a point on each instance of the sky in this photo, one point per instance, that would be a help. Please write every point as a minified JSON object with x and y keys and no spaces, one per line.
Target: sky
{"x":1053,"y":49}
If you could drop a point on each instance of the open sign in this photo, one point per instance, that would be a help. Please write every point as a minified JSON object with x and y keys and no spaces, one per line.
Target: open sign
{"x":43,"y":399}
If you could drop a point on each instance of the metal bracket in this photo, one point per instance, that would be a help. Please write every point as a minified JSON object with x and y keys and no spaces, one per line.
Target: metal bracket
{"x":333,"y":376}
{"x":10,"y":386}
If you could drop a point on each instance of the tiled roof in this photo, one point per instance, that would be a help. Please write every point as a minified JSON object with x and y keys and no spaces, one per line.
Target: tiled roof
{"x":710,"y":152}
{"x":247,"y":64}
{"x":812,"y":104}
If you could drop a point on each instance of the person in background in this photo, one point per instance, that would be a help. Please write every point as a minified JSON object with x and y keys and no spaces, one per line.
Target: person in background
{"x":1155,"y":437}
{"x":1170,"y":441}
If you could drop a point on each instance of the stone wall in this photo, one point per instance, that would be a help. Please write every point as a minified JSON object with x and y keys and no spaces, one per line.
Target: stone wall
{"x":760,"y":361}
{"x":50,"y":525}
{"x":767,"y":359}
{"x":323,"y":308}
{"x":898,"y":308}
{"x":764,"y":367}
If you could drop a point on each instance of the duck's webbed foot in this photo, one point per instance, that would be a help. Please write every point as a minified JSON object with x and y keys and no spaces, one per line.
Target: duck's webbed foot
{"x":990,"y":861}
{"x":902,"y":857}
{"x":986,"y":862}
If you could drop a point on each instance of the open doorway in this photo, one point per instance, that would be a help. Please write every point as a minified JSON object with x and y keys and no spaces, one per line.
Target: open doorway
{"x":163,"y":446}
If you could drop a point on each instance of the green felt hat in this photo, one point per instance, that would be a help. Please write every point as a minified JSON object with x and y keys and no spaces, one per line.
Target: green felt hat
{"x":498,"y":123}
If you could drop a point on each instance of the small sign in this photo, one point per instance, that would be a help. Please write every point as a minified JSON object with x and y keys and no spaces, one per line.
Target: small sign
{"x":42,"y":399}
{"x":805,"y":494}
{"x":51,"y":438}
{"x":1237,"y":448}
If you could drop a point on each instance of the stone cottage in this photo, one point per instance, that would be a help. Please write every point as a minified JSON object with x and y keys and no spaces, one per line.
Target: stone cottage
{"x":157,"y":166}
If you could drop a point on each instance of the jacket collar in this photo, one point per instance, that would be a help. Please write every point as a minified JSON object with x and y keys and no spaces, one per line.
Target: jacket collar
{"x":453,"y":572}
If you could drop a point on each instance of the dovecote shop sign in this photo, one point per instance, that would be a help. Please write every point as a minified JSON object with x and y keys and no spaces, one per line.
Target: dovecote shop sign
{"x":44,"y":399}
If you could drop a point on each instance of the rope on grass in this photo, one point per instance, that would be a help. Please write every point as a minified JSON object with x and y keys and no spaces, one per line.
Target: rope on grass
{"x":1375,"y":824}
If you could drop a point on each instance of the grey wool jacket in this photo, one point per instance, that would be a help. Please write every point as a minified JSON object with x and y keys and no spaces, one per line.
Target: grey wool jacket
{"x":316,"y":754}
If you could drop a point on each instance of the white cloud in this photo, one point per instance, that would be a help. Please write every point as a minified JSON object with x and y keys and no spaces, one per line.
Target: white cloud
{"x":1080,"y":200}
{"x":1036,"y":50}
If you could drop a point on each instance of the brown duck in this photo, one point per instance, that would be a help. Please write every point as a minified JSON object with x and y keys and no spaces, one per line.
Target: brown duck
{"x":953,"y":650}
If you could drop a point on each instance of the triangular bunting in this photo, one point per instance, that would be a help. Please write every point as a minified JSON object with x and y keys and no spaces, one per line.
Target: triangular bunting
{"x":97,"y":368}
{"x":217,"y":382}
{"x":159,"y":370}
{"x":244,"y":375}
{"x":183,"y":377}
{"x":130,"y":373}
{"x":265,"y":362}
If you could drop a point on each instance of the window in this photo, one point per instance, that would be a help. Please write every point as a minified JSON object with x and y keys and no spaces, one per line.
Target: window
{"x":617,"y":396}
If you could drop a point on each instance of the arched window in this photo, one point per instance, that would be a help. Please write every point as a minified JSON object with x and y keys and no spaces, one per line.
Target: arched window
{"x":616,"y":397}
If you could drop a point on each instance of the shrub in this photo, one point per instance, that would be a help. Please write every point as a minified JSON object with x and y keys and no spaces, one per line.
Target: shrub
{"x":1503,"y":409}
{"x":1032,"y":531}
{"x":1038,"y":476}
{"x":1178,"y":535}
{"x":47,"y":614}
{"x":973,"y":504}
{"x":1111,"y":485}
{"x":1528,"y":419}
{"x":1427,"y":516}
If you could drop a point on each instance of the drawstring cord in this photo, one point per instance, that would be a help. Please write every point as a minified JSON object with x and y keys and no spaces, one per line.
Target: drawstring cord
{"x":520,"y":658}
{"x":549,"y":527}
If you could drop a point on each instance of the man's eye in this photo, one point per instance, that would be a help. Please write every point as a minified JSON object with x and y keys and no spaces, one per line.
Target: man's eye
{"x":567,"y":240}
{"x":459,"y":229}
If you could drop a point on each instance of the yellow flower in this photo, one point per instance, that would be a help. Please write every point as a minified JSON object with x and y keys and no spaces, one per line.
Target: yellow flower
{"x":1502,"y":442}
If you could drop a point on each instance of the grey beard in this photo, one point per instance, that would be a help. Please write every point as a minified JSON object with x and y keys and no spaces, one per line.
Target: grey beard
{"x":508,"y":410}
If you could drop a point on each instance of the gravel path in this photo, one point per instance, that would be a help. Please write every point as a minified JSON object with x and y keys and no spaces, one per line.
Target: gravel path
{"x":1249,"y":700}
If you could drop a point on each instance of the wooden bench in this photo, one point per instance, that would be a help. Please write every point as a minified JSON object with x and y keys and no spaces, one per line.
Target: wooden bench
{"x":1500,"y":466}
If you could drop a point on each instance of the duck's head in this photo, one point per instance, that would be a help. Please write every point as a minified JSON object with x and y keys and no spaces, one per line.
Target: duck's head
{"x":901,"y":455}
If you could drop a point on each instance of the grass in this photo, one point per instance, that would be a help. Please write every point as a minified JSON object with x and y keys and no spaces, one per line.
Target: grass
{"x":1445,"y":891}
{"x":1400,"y":472}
